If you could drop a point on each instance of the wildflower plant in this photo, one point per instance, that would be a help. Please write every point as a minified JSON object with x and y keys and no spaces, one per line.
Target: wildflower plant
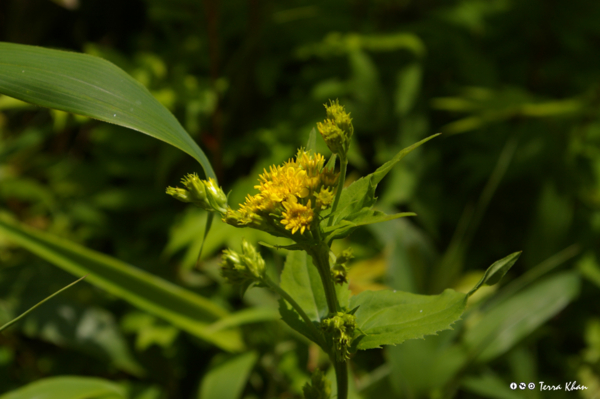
{"x":304,"y":200}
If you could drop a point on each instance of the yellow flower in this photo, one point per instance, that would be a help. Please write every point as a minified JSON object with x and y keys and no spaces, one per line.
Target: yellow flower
{"x":296,"y":216}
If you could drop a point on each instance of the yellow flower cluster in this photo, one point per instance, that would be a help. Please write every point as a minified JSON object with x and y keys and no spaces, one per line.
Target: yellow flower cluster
{"x":291,"y":194}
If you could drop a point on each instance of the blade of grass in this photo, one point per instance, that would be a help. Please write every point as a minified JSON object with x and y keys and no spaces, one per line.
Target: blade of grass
{"x":13,"y":321}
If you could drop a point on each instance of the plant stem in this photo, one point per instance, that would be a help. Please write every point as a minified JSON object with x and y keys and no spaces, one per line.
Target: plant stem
{"x":320,"y":257}
{"x":341,"y":377}
{"x":340,"y":186}
{"x":275,"y":287}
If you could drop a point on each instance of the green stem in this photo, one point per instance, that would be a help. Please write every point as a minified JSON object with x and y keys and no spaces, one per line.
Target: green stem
{"x":275,"y":287}
{"x":341,"y":377}
{"x":320,"y":257}
{"x":340,"y":185}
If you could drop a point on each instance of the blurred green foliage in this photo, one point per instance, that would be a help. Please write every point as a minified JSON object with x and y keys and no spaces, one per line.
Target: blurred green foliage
{"x":515,"y":88}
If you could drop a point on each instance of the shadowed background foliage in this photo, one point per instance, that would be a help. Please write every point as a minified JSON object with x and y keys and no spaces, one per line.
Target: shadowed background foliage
{"x":513,"y":85}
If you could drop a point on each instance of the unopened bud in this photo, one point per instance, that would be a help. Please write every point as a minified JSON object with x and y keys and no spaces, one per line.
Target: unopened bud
{"x":340,"y":328}
{"x":338,"y":114}
{"x":215,"y":196}
{"x":179,"y":194}
{"x":345,"y":256}
{"x":333,"y":136}
{"x":242,"y":269}
{"x":205,"y":194}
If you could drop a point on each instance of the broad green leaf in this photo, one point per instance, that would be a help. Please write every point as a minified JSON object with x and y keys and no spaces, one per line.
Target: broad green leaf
{"x":227,"y":380}
{"x":68,"y":388}
{"x":361,"y":193}
{"x":90,"y":86}
{"x":496,"y":271}
{"x":500,"y":328}
{"x":184,"y":309}
{"x":301,"y":280}
{"x":390,"y":318}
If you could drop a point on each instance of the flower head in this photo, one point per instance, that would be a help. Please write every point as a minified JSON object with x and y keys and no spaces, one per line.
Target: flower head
{"x":289,"y":196}
{"x":296,"y":216}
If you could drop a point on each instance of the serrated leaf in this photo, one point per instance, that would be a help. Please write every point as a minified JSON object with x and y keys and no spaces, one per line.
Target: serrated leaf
{"x":68,"y":388}
{"x":496,"y":271}
{"x":227,"y":380}
{"x":182,"y":308}
{"x":506,"y":324}
{"x":361,"y":193}
{"x":390,"y":318}
{"x":90,"y":86}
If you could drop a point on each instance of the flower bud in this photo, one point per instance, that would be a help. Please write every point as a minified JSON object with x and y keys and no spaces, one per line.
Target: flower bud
{"x":215,"y":196}
{"x":338,"y":114}
{"x":243,"y":269}
{"x":179,"y":194}
{"x":205,"y":194}
{"x":333,"y":136}
{"x":340,"y":328}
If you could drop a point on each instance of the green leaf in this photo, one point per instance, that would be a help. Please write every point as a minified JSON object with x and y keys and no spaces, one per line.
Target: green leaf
{"x":184,"y":309}
{"x":90,"y":86}
{"x":390,"y":318}
{"x":361,"y":218}
{"x":496,"y":271}
{"x":500,"y":328}
{"x":301,"y":280}
{"x":227,"y":380}
{"x":361,"y":193}
{"x":68,"y":388}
